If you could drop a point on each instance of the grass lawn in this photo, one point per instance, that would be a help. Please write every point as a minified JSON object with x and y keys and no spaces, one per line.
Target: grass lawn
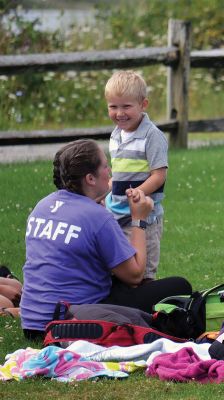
{"x":192,"y":246}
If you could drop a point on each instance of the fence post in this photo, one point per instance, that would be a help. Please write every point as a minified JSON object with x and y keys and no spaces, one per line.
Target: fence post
{"x":179,"y":34}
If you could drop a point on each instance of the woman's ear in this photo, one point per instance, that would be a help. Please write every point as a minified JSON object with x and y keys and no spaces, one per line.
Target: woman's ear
{"x":90,"y":179}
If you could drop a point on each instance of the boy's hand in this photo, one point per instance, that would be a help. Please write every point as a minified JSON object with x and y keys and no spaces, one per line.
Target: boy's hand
{"x":134,"y":194}
{"x":140,"y":205}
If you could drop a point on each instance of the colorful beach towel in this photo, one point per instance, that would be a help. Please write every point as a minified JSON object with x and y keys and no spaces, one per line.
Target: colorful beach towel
{"x":62,"y":365}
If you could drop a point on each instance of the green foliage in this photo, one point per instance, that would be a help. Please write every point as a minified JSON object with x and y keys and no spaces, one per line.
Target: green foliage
{"x":147,"y":23}
{"x":31,"y":40}
{"x":53,"y":100}
{"x":192,"y":246}
{"x":20,"y":36}
{"x":73,"y":99}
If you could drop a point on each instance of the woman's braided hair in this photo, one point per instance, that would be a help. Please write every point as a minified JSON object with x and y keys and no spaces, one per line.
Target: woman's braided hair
{"x":73,"y":162}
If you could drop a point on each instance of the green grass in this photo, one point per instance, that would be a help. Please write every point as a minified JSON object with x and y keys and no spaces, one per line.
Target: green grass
{"x":206,"y":137}
{"x":192,"y":243}
{"x":192,"y":246}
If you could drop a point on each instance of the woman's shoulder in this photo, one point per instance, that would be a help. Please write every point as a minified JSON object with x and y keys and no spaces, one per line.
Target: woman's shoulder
{"x":99,"y":215}
{"x":100,"y":212}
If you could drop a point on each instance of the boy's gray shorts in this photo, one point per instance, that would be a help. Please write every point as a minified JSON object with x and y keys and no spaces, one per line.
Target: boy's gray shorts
{"x":153,"y":237}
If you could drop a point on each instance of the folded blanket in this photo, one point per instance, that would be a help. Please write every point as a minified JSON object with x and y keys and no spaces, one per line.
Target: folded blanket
{"x":185,"y":365}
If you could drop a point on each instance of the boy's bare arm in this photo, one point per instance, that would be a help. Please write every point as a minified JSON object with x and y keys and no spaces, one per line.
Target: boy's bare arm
{"x":156,"y":179}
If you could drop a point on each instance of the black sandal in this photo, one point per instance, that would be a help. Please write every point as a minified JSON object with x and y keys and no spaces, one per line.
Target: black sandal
{"x":6,"y":273}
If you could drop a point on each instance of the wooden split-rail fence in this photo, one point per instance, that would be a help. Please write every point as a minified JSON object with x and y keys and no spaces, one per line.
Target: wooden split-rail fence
{"x":177,"y":56}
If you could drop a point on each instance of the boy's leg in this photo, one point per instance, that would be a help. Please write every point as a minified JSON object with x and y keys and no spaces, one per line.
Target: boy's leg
{"x":153,"y":237}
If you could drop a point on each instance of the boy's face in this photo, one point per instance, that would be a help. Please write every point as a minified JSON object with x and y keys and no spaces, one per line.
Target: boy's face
{"x":126,"y":112}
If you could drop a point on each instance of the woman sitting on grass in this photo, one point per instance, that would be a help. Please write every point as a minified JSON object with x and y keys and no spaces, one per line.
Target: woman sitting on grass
{"x":73,"y":245}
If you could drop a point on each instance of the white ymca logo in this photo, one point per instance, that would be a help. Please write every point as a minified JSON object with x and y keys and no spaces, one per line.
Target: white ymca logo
{"x":56,"y":206}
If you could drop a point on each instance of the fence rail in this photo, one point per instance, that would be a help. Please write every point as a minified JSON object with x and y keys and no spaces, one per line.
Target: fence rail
{"x":110,"y":59}
{"x":8,"y":138}
{"x":88,"y":60}
{"x":59,"y":136}
{"x":177,"y":56}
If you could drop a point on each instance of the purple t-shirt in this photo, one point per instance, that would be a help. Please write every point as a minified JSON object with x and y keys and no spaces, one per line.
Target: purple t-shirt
{"x":72,"y":244}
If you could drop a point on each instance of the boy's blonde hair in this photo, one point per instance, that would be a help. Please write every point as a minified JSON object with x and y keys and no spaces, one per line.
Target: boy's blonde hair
{"x":126,"y":83}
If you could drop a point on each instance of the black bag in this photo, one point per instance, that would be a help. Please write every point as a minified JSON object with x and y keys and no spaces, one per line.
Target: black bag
{"x":190,"y":316}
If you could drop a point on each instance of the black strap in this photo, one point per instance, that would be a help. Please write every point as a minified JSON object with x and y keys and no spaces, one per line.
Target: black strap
{"x":58,"y":310}
{"x":205,"y":293}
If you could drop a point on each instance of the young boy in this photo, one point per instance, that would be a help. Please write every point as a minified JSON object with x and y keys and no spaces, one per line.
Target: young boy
{"x":138,"y":151}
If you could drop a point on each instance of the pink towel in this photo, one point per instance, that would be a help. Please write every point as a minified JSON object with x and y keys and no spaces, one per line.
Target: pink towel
{"x":185,"y":365}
